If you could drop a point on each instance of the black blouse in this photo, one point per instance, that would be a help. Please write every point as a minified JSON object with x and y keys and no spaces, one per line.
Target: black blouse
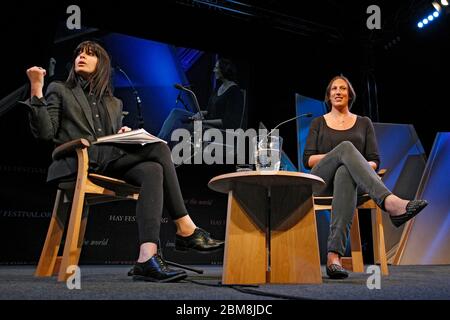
{"x":228,"y":107}
{"x":102,"y":154}
{"x":322,"y":139}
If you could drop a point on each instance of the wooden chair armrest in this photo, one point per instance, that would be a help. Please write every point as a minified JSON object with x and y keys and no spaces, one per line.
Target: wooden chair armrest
{"x":69,"y":148}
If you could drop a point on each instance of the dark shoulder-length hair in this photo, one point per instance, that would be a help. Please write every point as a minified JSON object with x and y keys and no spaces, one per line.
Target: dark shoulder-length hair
{"x":351,"y":92}
{"x":228,"y":69}
{"x":100,"y":80}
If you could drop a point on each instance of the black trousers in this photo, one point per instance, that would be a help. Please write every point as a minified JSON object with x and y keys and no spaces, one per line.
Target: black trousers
{"x":150,"y":167}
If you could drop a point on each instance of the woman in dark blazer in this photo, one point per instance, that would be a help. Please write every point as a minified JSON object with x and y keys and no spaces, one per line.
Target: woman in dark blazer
{"x":84,"y":107}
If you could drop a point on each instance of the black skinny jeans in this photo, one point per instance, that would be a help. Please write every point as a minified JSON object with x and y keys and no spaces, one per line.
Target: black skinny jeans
{"x":345,"y":172}
{"x":150,"y":167}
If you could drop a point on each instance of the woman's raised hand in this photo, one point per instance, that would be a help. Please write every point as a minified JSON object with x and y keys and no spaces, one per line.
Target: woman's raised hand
{"x":36,"y":76}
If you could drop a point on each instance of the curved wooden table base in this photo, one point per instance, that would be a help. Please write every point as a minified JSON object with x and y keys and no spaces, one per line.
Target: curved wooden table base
{"x":271,"y":232}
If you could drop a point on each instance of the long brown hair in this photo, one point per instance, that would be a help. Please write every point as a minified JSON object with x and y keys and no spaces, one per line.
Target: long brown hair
{"x":351,"y":91}
{"x":100,"y":79}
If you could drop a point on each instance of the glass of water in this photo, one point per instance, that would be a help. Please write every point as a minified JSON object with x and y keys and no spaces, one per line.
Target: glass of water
{"x":267,"y":152}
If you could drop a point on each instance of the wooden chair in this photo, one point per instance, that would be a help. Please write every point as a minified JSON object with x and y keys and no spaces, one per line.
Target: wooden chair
{"x":87,"y":190}
{"x":356,"y":263}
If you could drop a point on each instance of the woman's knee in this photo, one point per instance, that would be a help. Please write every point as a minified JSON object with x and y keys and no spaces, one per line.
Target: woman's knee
{"x":174,"y":114}
{"x":346,"y":146}
{"x":151,"y":171}
{"x":143,"y":172}
{"x":163,"y":149}
{"x":343,"y":172}
{"x":179,"y":112}
{"x":342,"y":175}
{"x":158,"y":148}
{"x":178,"y":116}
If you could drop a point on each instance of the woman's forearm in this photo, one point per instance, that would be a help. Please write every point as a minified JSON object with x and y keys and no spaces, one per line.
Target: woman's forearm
{"x":36,"y":90}
{"x":314,"y":159}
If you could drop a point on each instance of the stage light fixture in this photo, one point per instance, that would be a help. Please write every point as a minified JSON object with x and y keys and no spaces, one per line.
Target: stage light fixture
{"x":436,"y":5}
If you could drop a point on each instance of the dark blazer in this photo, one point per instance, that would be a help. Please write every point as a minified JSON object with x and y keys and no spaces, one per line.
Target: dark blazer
{"x":64,"y":115}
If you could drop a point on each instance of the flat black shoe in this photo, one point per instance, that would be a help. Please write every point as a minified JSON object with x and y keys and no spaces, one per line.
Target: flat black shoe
{"x":156,"y":270}
{"x":199,"y":241}
{"x":335,"y":271}
{"x":412,"y":209}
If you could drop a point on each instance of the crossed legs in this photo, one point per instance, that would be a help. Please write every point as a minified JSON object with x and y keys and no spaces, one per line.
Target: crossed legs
{"x":344,"y":171}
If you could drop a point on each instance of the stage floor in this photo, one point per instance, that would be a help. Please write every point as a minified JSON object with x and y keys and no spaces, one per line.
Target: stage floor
{"x":112,"y":282}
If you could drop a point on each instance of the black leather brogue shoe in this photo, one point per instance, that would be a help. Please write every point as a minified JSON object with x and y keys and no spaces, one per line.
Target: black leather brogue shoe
{"x":156,"y":270}
{"x":335,"y":271}
{"x":200,"y":241}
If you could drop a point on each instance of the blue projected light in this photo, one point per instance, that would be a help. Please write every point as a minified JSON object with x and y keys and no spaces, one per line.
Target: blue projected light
{"x":429,"y":238}
{"x":154,"y":68}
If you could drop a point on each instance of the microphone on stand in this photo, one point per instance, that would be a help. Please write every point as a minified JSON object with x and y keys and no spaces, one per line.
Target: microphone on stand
{"x":267,"y":138}
{"x":138,"y":99}
{"x":182,"y":101}
{"x":179,"y":85}
{"x":307,"y":115}
{"x":197,"y":106}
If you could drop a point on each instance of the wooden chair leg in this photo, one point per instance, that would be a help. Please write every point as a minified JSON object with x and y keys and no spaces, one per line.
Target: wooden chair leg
{"x":84,"y":220}
{"x":55,"y":232}
{"x":355,"y":240}
{"x":379,"y":245}
{"x":71,"y":252}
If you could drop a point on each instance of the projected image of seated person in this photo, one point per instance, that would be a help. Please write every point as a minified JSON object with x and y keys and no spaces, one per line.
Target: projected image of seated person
{"x":225,"y":106}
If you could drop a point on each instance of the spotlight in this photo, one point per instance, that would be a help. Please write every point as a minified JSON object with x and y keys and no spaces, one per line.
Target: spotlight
{"x":436,"y":5}
{"x":430,"y":18}
{"x":420,"y":25}
{"x":444,"y":2}
{"x":436,"y":14}
{"x":425,"y":21}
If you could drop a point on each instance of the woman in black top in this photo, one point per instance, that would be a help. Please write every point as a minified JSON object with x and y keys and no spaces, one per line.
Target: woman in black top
{"x":225,"y":104}
{"x":342,"y":149}
{"x":84,"y":107}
